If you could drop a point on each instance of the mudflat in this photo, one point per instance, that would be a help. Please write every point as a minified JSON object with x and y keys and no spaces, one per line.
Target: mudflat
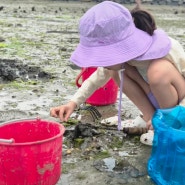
{"x":37,"y":38}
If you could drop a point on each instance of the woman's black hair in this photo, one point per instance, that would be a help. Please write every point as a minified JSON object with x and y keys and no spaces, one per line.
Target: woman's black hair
{"x":143,"y":20}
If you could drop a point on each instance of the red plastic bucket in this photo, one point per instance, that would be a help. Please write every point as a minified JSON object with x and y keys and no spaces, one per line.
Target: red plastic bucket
{"x":35,"y":155}
{"x":103,"y":96}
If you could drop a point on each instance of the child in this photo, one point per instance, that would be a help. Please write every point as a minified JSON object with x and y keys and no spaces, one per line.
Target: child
{"x":113,"y":39}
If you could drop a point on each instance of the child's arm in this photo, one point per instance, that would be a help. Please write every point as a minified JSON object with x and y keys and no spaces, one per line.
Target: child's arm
{"x":98,"y":79}
{"x":95,"y":81}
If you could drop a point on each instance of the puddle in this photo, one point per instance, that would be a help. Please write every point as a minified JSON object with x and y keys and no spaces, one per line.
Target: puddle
{"x":118,"y":168}
{"x":109,"y":163}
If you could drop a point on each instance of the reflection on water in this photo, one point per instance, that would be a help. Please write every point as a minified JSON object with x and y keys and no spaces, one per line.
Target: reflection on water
{"x":110,"y":163}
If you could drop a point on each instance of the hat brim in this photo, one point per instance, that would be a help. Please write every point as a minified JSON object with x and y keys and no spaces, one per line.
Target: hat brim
{"x":160,"y":46}
{"x":133,"y":46}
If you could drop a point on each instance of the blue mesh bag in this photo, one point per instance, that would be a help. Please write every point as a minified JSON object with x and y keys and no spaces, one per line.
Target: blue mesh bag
{"x":166,"y":165}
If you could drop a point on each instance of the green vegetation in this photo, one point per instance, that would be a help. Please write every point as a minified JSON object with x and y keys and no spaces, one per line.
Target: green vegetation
{"x":71,"y":121}
{"x":3,"y":45}
{"x":117,"y":142}
{"x":21,"y":85}
{"x":78,"y":142}
{"x":102,"y":154}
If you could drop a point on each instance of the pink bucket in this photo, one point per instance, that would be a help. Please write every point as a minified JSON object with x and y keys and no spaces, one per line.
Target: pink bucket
{"x":103,"y":96}
{"x":30,"y":152}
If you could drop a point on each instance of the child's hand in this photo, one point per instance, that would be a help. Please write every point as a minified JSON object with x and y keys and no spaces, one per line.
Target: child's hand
{"x":64,"y":111}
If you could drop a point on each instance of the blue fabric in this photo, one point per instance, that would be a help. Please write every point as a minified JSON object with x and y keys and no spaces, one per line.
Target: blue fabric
{"x":166,"y":165}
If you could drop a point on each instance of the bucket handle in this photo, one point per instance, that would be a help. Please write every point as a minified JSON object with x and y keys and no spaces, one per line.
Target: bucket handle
{"x":79,"y":76}
{"x":7,"y":140}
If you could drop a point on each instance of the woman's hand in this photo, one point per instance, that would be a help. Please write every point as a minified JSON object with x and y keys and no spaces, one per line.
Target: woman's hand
{"x":63,"y":112}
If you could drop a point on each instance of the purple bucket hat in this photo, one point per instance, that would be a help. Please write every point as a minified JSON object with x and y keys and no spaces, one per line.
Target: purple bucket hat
{"x":108,"y":36}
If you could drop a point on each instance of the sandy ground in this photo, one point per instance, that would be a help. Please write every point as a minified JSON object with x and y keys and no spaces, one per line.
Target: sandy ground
{"x":44,"y":33}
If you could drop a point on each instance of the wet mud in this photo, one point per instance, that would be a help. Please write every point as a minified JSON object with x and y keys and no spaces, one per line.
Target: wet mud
{"x":37,"y":38}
